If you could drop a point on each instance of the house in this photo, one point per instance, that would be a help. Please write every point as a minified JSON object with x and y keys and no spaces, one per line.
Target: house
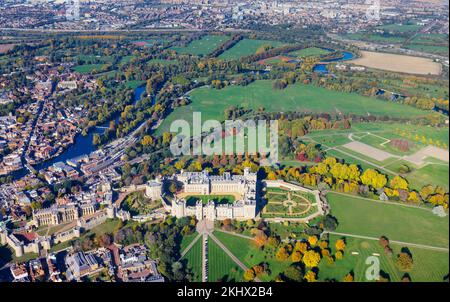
{"x":81,"y":264}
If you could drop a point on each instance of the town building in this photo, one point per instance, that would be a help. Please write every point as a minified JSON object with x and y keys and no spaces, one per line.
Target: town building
{"x":80,"y":265}
{"x":61,"y":214}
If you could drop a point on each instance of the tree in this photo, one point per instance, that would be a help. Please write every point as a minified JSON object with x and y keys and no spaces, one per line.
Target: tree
{"x":293,"y":273}
{"x":96,"y":139}
{"x":273,"y":242}
{"x":167,"y":137}
{"x":260,"y":239}
{"x":310,"y":276}
{"x":329,"y":222}
{"x":404,"y":261}
{"x":374,"y":179}
{"x":413,"y":197}
{"x":282,"y":254}
{"x":339,"y":255}
{"x":311,"y":258}
{"x":349,"y":277}
{"x":147,"y":140}
{"x":301,"y":246}
{"x":105,"y":240}
{"x":36,"y":205}
{"x":181,"y":164}
{"x":296,"y":256}
{"x":398,"y":183}
{"x":340,"y":244}
{"x":249,"y":275}
{"x":312,"y":240}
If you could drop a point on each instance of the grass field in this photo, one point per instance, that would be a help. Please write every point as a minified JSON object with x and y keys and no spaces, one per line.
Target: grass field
{"x":194,"y":260}
{"x":186,"y":240}
{"x":203,"y":46}
{"x":400,"y":28}
{"x":247,"y":47}
{"x":212,"y":102}
{"x":434,"y":49}
{"x":50,"y":230}
{"x":90,"y":68}
{"x":378,"y":38}
{"x":419,"y":136}
{"x":430,"y":174}
{"x":127,"y":59}
{"x":246,"y":251}
{"x":92,"y":59}
{"x":161,"y":62}
{"x":220,"y":266}
{"x":308,"y":52}
{"x":374,"y":219}
{"x":428,"y":265}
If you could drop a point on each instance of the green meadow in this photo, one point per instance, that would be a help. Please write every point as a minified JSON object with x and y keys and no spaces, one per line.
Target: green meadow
{"x":298,"y":97}
{"x":364,"y":217}
{"x":220,"y":266}
{"x":193,"y":260}
{"x":428,"y":265}
{"x":308,"y":52}
{"x":90,"y":68}
{"x":203,"y":46}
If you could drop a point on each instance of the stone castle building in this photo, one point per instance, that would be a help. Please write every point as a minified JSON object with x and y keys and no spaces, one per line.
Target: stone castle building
{"x":61,"y":214}
{"x":243,"y":187}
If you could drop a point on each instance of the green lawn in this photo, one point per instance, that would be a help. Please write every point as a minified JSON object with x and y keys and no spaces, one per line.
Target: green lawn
{"x":434,"y":49}
{"x":387,"y":38}
{"x":429,"y":174}
{"x":187,"y":240}
{"x":247,"y":47}
{"x":127,"y":59}
{"x":203,"y":46}
{"x":246,"y":251}
{"x":51,"y":229}
{"x":220,"y":266}
{"x":93,"y":59}
{"x":220,"y":199}
{"x":212,"y":102}
{"x":194,"y":260}
{"x":308,"y":52}
{"x":374,"y":219}
{"x":90,"y":68}
{"x":428,"y":265}
{"x":133,"y":84}
{"x":400,"y":28}
{"x":161,"y":62}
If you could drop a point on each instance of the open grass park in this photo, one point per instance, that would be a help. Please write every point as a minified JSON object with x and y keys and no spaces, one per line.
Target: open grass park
{"x":212,"y":102}
{"x":193,"y":260}
{"x":399,"y":222}
{"x":220,"y":266}
{"x":428,"y":265}
{"x":203,"y":46}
